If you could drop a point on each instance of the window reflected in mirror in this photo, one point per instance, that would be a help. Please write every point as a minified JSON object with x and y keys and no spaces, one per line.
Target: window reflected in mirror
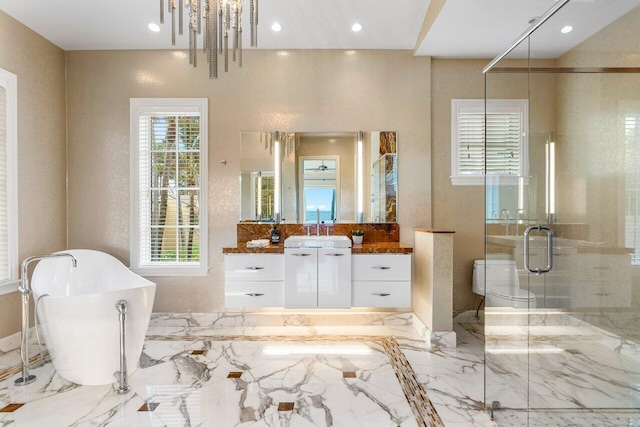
{"x":320,"y":198}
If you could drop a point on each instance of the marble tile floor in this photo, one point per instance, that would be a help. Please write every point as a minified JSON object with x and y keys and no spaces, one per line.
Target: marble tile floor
{"x":336,"y":376}
{"x":564,"y":374}
{"x":303,"y":365}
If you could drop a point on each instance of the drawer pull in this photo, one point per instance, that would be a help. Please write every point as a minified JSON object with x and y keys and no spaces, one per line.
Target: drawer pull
{"x":254,"y":294}
{"x":334,"y":254}
{"x":380,"y":294}
{"x":381,"y":268}
{"x":301,"y":254}
{"x":255,"y":268}
{"x":602,"y":294}
{"x":600,"y":268}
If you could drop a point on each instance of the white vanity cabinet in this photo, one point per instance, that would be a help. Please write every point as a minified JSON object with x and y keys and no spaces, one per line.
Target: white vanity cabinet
{"x":381,"y":280}
{"x":254,"y":280}
{"x":317,"y":278}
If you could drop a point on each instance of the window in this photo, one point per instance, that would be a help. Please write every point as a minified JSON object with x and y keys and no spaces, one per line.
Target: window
{"x":169,"y":186}
{"x":507,"y":127}
{"x":632,"y":185}
{"x":8,"y":181}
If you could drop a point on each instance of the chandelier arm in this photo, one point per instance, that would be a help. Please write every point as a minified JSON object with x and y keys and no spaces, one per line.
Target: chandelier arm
{"x":255,"y":23}
{"x":235,"y":33}
{"x":240,"y":48}
{"x":180,"y":17}
{"x":199,"y":17}
{"x":173,"y":22}
{"x":220,"y":26}
{"x":252,"y":11}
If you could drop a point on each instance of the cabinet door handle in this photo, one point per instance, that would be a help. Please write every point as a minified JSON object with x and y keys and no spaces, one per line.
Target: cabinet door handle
{"x":380,"y":294}
{"x":381,"y":268}
{"x":301,"y":254}
{"x":334,"y":254}
{"x":255,"y":268}
{"x":254,"y":294}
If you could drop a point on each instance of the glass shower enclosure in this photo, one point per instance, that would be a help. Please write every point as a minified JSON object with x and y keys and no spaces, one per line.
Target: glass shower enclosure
{"x":562,"y":228}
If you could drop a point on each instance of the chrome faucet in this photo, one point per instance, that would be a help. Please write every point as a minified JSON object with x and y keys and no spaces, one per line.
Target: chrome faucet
{"x":25,"y":291}
{"x":520,"y":214}
{"x":506,"y":211}
{"x":318,"y":222}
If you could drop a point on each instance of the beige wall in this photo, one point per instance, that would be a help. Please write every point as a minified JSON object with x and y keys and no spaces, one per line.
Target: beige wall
{"x":461,"y":208}
{"x":310,"y":91}
{"x":40,"y":68}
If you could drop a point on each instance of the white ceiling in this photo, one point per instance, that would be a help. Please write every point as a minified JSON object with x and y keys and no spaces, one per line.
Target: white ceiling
{"x":463,"y":28}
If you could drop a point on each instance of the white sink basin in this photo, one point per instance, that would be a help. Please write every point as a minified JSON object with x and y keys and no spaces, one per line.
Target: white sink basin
{"x":317,"y":242}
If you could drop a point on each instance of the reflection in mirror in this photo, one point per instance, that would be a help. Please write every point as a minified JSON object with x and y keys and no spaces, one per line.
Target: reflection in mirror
{"x":257,"y":177}
{"x":347,"y":176}
{"x":326,"y":164}
{"x":319,"y":180}
{"x":383,"y":161}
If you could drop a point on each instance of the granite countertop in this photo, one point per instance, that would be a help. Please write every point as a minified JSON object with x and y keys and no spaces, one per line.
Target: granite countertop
{"x":365,"y":248}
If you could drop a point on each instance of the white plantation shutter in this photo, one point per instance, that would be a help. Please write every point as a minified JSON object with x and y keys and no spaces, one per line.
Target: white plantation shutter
{"x":506,"y":131}
{"x":169,"y":157}
{"x":4,"y":238}
{"x":632,"y":185}
{"x":8,"y":182}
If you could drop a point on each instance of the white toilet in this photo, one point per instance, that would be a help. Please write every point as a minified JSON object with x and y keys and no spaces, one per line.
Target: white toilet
{"x":504,"y":286}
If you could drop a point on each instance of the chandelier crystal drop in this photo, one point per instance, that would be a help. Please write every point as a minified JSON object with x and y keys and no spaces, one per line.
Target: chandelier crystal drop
{"x":221,"y":20}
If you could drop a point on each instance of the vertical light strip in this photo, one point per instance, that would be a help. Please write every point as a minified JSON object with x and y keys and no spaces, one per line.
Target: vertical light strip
{"x":360,"y":179}
{"x":550,"y":184}
{"x":521,"y":192}
{"x":259,"y":197}
{"x":552,"y":179}
{"x":277,"y":187}
{"x":546,"y":181}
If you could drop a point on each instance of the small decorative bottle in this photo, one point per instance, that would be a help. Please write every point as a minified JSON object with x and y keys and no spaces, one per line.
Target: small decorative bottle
{"x":275,"y":236}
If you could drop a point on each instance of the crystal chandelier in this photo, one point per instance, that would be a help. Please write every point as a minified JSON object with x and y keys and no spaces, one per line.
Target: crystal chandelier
{"x":218,"y":18}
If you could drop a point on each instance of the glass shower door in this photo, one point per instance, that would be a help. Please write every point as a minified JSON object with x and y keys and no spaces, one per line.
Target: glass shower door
{"x":571,"y":355}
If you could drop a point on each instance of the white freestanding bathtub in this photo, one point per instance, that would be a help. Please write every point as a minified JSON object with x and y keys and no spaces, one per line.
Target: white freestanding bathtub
{"x":79,"y":317}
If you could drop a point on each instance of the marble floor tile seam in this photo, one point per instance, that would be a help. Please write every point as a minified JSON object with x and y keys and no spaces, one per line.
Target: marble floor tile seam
{"x":235,"y":319}
{"x":281,"y":338}
{"x":404,"y":332}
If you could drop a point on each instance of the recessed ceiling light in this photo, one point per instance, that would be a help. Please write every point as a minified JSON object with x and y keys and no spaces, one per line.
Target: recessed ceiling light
{"x":276,"y":27}
{"x":154,"y":27}
{"x":356,"y":27}
{"x":566,"y":29}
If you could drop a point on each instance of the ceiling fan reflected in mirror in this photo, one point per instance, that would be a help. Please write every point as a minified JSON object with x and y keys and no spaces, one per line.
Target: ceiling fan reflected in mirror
{"x":322,"y":167}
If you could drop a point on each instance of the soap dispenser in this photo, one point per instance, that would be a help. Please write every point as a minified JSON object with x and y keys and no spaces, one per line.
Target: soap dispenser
{"x":275,"y":236}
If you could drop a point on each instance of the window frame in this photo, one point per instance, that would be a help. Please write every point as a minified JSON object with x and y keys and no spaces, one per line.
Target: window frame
{"x":520,"y":106}
{"x":177,"y":105}
{"x":9,"y":81}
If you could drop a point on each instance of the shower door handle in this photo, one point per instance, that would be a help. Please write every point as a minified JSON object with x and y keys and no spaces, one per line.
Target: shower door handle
{"x":549,"y":265}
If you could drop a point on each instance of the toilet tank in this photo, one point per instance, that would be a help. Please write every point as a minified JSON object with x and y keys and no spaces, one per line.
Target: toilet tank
{"x":499,"y":273}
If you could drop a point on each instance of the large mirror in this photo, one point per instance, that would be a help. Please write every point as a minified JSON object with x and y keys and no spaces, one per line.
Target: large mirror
{"x":327,"y":176}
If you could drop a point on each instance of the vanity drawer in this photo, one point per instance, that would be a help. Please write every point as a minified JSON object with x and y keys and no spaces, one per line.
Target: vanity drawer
{"x":253,"y":267}
{"x":381,"y":267}
{"x":381,"y":294}
{"x":251,"y":294}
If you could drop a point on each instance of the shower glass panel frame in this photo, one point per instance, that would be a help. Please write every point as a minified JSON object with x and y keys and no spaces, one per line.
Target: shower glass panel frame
{"x":565,"y":350}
